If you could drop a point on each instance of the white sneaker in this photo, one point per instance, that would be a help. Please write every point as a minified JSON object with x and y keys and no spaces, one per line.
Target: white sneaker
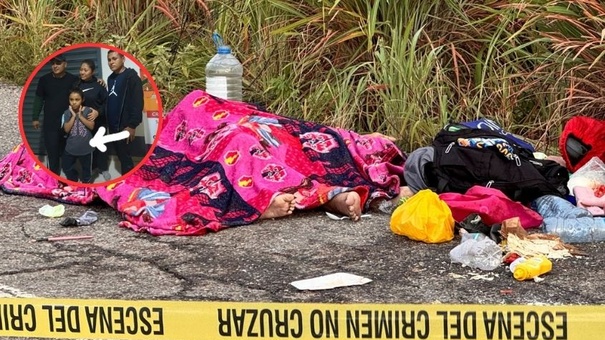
{"x":106,"y":175}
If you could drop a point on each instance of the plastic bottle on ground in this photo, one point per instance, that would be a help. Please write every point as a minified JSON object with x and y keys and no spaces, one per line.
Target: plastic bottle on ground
{"x":476,"y":250}
{"x":224,"y":73}
{"x":570,"y":223}
{"x":529,"y":268}
{"x":579,"y":230}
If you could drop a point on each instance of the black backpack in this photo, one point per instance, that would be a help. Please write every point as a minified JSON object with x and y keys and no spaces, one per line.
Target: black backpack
{"x":499,"y":163}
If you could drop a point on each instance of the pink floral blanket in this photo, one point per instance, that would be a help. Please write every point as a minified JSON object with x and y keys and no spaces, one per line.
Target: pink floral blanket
{"x":219,"y":164}
{"x":19,"y":174}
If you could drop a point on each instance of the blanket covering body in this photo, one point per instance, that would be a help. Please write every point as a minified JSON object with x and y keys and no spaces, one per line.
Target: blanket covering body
{"x":219,"y":164}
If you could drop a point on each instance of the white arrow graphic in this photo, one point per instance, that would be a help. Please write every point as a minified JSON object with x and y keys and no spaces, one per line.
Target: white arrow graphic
{"x":98,"y":140}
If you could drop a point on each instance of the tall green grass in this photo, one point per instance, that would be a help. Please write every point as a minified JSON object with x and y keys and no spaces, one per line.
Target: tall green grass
{"x":403,"y":68}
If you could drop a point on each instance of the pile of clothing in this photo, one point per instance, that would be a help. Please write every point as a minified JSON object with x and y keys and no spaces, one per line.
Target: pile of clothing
{"x":479,"y":168}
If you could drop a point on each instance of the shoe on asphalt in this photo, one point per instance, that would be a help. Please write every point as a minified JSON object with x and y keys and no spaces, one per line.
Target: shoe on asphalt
{"x":106,"y":175}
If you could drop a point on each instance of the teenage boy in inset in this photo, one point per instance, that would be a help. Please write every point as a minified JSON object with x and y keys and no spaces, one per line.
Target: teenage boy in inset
{"x":78,"y":127}
{"x":52,"y":93}
{"x":124,"y":106}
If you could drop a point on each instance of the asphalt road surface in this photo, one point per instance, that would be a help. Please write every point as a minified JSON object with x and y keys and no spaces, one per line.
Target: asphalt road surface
{"x":257,"y":263}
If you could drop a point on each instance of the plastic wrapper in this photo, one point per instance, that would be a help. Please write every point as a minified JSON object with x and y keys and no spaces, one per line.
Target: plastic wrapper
{"x":424,"y":217}
{"x":590,"y":175}
{"x":477,"y":251}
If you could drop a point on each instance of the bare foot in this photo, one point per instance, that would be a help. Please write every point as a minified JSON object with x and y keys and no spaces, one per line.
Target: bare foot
{"x":281,"y":205}
{"x":346,"y":203}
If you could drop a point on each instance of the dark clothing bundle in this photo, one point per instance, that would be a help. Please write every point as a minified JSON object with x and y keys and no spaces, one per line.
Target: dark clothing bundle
{"x":462,"y":157}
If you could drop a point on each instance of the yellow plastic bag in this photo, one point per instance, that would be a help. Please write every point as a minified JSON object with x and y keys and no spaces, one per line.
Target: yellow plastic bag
{"x":424,"y":217}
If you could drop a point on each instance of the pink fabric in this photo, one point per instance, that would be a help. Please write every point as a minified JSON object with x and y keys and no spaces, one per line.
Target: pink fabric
{"x":19,"y":174}
{"x":492,"y":205}
{"x":586,"y":198}
{"x":219,"y":163}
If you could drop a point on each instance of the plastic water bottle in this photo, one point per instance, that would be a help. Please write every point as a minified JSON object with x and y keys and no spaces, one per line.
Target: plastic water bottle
{"x":476,"y":250}
{"x":570,"y":223}
{"x":576,"y":230}
{"x":224,"y":73}
{"x":529,"y":268}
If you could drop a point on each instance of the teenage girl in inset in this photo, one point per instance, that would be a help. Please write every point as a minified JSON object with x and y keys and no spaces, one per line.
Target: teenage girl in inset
{"x":78,"y":127}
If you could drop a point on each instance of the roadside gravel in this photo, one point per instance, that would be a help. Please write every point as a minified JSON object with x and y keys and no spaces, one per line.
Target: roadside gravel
{"x":9,"y":111}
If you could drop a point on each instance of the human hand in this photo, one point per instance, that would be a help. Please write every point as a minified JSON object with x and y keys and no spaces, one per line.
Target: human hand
{"x":36,"y":124}
{"x":131,"y":133}
{"x":101,"y":82}
{"x":94,"y":114}
{"x":380,"y":135}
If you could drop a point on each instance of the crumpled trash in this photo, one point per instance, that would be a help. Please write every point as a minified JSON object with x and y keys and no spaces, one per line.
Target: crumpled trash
{"x":523,"y":244}
{"x":88,"y":218}
{"x":339,"y":218}
{"x":476,"y":250}
{"x":52,"y":211}
{"x":473,"y":224}
{"x":590,"y":175}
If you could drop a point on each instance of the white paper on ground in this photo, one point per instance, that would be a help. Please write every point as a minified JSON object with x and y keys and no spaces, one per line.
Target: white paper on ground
{"x":330,"y":281}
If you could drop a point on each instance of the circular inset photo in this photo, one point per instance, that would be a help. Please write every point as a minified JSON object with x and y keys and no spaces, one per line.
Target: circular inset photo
{"x":90,"y":114}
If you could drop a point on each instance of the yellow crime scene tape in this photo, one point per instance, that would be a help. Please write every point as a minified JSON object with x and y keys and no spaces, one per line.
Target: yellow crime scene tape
{"x":183,"y":320}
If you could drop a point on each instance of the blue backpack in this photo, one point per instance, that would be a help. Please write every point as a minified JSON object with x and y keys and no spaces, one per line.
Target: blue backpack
{"x":488,"y":124}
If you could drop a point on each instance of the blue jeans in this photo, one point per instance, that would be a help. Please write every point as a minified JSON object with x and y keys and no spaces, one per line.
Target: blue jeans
{"x":69,"y":167}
